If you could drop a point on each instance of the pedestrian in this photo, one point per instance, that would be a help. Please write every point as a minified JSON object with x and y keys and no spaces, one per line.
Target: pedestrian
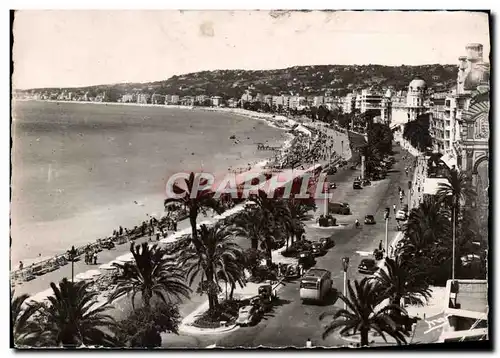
{"x":21,"y":265}
{"x":380,"y":245}
{"x":308,"y":343}
{"x":95,"y":258}
{"x":394,"y":208}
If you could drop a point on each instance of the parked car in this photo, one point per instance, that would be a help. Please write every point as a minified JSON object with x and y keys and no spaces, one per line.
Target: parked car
{"x":108,"y":245}
{"x":327,"y":221}
{"x":367,"y":266}
{"x":401,"y":215}
{"x":357,"y":185}
{"x":369,"y":220}
{"x":318,"y":249}
{"x":333,"y":186}
{"x":306,"y":259}
{"x":332,"y":170}
{"x":339,"y":208}
{"x":248,"y":315}
{"x":327,"y":242}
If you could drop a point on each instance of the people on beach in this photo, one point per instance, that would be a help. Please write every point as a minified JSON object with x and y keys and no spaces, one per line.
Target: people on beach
{"x":21,"y":266}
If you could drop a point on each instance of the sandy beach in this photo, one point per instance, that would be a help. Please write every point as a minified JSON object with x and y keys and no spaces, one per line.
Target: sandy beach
{"x":89,"y":170}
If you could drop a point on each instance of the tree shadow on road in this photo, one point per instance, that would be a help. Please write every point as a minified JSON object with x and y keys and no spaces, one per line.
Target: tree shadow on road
{"x":278,"y":302}
{"x":393,"y":171}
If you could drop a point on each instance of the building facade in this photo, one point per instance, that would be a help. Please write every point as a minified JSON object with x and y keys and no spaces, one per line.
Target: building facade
{"x":416,"y":99}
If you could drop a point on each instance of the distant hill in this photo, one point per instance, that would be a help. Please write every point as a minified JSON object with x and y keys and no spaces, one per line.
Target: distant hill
{"x":303,"y":80}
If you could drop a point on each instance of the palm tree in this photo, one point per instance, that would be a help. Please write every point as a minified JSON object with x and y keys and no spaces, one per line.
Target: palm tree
{"x":298,"y":210}
{"x":403,"y":279}
{"x":25,"y":331}
{"x":253,"y":225}
{"x":457,"y":190}
{"x":232,"y":273}
{"x":217,"y":251}
{"x":427,"y":228}
{"x":194,"y":202}
{"x":70,"y":319}
{"x":152,"y":273}
{"x":363,"y":316}
{"x":276,"y":217}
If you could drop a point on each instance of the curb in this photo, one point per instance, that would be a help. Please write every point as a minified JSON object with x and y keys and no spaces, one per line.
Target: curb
{"x":187,"y":327}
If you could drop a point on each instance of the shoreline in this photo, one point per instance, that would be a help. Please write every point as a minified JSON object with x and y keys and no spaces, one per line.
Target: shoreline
{"x":45,"y":260}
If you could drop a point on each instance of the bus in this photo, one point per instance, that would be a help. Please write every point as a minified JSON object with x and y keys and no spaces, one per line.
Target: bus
{"x":315,"y":285}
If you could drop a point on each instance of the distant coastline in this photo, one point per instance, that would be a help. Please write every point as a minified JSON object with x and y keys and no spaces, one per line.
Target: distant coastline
{"x":279,"y":122}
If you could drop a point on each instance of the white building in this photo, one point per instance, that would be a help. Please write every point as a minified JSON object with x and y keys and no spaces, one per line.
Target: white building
{"x":416,"y":98}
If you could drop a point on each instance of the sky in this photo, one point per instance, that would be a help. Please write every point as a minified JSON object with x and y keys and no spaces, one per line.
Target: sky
{"x":75,"y":48}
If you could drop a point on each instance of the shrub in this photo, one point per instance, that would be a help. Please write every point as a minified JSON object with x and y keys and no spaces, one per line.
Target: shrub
{"x":143,"y":326}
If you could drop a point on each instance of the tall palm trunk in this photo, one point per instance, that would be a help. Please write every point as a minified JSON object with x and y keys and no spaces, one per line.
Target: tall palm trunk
{"x":193,"y":214}
{"x":233,"y":286}
{"x":269,"y":257}
{"x":212,"y":295}
{"x":255,"y":243}
{"x":364,"y":337}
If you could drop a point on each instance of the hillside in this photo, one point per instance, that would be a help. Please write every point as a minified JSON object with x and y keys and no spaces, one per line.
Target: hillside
{"x":303,"y":80}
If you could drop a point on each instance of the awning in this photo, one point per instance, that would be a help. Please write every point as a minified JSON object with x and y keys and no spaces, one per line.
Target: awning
{"x":432,"y":185}
{"x":450,"y":160}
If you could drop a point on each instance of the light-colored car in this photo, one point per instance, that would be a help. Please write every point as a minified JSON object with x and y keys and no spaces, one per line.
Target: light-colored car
{"x":401,"y":215}
{"x":247,"y":315}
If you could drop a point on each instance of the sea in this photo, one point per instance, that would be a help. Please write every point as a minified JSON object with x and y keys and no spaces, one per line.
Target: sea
{"x":81,"y":170}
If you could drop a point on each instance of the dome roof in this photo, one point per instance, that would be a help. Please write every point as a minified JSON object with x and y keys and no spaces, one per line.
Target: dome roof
{"x":418,"y":83}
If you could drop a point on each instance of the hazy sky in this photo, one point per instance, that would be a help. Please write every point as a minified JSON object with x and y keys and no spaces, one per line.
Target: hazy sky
{"x":79,"y":48}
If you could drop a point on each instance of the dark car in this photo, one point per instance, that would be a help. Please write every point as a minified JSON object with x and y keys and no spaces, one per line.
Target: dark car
{"x":339,"y":208}
{"x":367,"y":266}
{"x":318,"y":249}
{"x":332,"y":170}
{"x":357,"y":185}
{"x":327,"y":242}
{"x":108,"y":245}
{"x":306,"y":259}
{"x":369,"y":220}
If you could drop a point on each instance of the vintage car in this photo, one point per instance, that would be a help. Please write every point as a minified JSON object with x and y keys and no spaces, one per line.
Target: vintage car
{"x":327,"y":242}
{"x":401,"y":215}
{"x":367,"y":266}
{"x":369,"y":220}
{"x":306,"y":259}
{"x":248,"y":315}
{"x":357,"y":184}
{"x":318,"y":249}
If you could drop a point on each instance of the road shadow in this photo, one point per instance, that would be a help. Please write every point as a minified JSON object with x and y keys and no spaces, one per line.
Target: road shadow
{"x":278,"y":302}
{"x":393,"y":171}
{"x":330,"y":299}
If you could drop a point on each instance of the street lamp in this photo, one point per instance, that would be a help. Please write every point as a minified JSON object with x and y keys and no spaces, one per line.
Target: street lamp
{"x":386,"y":217}
{"x":72,"y":255}
{"x":409,"y":194}
{"x":345,"y":266}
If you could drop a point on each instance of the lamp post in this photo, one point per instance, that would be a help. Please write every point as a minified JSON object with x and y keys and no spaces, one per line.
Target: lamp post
{"x":342,"y":147}
{"x":409,"y":194}
{"x":71,"y":255}
{"x":327,"y":192}
{"x":345,"y":266}
{"x":386,"y":217}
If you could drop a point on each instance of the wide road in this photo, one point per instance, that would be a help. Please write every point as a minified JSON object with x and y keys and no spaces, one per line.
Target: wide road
{"x":291,"y":323}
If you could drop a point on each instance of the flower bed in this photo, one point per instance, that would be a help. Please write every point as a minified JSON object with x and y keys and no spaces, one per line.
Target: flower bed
{"x":226,"y":311}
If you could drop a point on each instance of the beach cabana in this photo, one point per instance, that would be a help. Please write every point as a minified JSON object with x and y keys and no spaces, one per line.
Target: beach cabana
{"x":41,"y":296}
{"x":125,"y":258}
{"x":107,"y":267}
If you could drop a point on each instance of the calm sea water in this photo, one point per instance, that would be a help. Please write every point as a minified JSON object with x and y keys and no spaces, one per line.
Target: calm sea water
{"x":78,"y":168}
